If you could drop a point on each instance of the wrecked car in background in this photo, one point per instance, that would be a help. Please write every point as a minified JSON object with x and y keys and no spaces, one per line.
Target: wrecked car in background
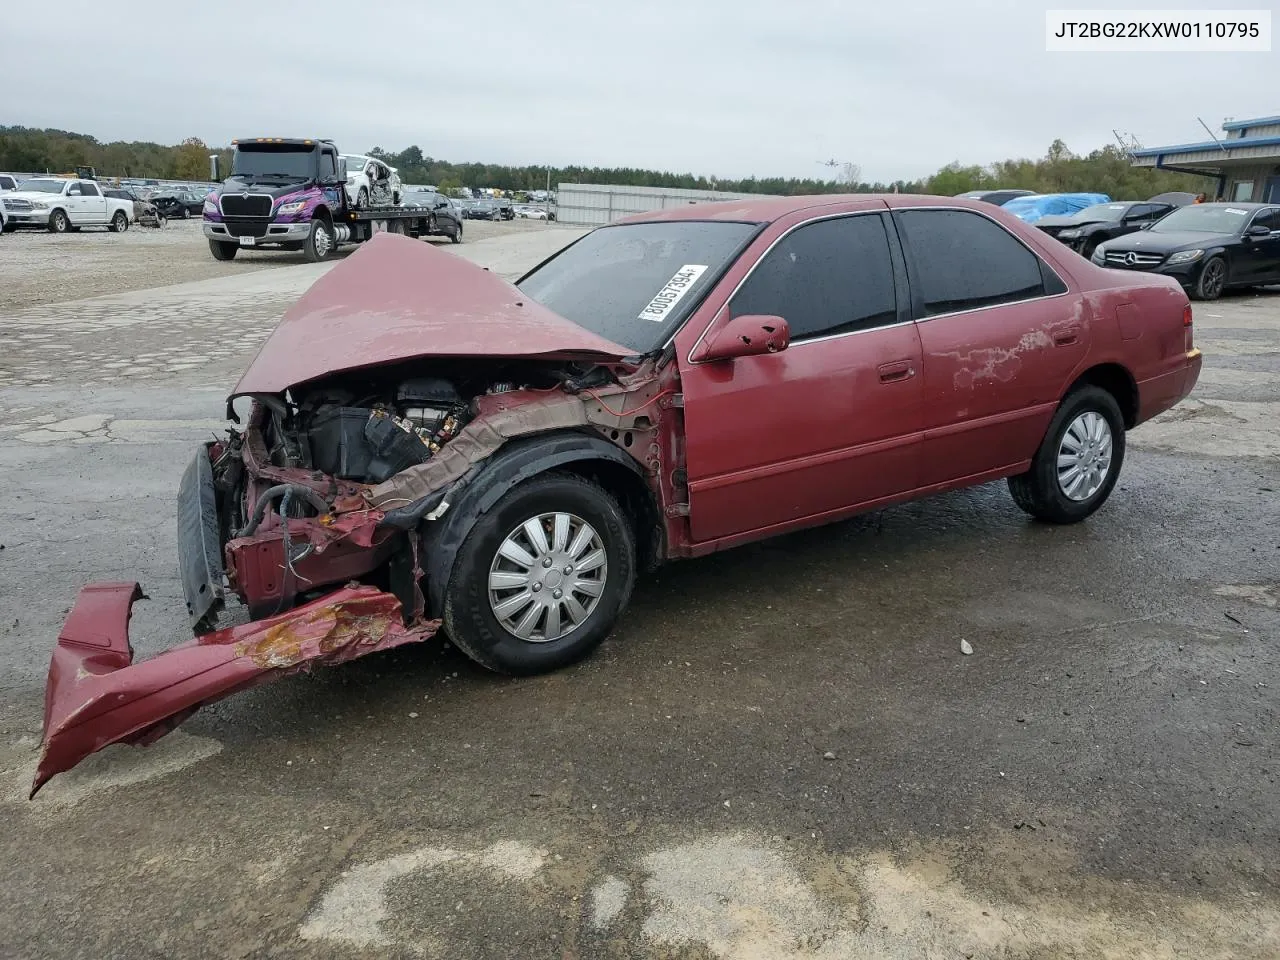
{"x":428,"y":447}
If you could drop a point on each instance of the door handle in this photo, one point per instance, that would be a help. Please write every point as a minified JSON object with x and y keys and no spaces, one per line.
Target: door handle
{"x":1066,"y":337}
{"x":898,"y":370}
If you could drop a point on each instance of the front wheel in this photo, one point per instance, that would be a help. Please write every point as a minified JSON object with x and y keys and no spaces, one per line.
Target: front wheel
{"x":542,"y":576}
{"x":1212,"y":280}
{"x":456,"y":236}
{"x":222,"y":251}
{"x":58,"y":222}
{"x":320,"y":243}
{"x":119,"y":223}
{"x":362,"y":199}
{"x":186,"y":214}
{"x":1078,"y":462}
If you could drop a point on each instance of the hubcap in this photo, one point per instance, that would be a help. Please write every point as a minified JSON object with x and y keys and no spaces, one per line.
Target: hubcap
{"x":547,"y":577}
{"x":1084,"y":456}
{"x":322,"y":241}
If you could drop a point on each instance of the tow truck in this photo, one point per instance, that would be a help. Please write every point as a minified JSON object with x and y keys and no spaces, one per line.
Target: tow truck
{"x":289,"y":194}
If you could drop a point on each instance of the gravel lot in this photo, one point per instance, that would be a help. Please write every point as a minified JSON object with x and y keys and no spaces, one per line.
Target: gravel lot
{"x":780,"y":754}
{"x":38,"y":267}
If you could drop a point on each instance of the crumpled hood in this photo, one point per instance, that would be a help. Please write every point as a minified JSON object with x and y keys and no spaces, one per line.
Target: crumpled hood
{"x":401,"y":299}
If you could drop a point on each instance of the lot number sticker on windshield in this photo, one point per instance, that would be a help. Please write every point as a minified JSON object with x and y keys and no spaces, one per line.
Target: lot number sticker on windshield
{"x":666,"y":299}
{"x":1238,"y":213}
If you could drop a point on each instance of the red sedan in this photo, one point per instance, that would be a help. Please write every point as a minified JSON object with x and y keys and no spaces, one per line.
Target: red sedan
{"x":429,"y":446}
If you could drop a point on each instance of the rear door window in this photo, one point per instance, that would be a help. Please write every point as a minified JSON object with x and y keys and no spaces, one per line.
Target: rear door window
{"x":960,"y":260}
{"x":89,"y":190}
{"x":826,"y":278}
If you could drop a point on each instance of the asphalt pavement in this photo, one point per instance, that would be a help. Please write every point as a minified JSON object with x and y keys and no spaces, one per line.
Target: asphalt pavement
{"x":782,"y":751}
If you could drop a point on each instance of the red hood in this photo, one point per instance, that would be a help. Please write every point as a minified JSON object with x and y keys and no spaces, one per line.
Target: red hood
{"x":399,"y":299}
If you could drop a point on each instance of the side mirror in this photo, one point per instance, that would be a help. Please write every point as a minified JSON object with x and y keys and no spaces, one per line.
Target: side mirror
{"x":1258,"y":230}
{"x":749,"y":335}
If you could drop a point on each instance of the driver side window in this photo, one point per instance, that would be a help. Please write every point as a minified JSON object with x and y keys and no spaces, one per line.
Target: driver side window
{"x":825,"y":278}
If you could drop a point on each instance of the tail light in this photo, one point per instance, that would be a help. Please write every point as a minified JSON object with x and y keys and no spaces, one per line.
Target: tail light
{"x":1186,"y":326}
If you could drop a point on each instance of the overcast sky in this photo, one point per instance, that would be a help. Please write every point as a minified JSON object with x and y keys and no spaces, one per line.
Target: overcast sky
{"x":723,"y":87}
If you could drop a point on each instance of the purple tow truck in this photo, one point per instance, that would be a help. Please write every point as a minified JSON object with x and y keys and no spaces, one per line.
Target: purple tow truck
{"x":288,"y":194}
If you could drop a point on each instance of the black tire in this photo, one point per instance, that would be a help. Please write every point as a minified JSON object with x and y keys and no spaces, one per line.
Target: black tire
{"x":469,"y":619}
{"x":1212,"y":280}
{"x":319,"y":244}
{"x":1089,"y":246}
{"x":119,"y":223}
{"x":362,"y":198}
{"x":186,"y":214}
{"x":223,"y":251}
{"x":58,"y":222}
{"x":456,"y":236}
{"x":1039,"y":491}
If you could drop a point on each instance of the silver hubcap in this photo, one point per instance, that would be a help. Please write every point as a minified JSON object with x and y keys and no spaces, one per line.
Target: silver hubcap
{"x":1084,"y":456}
{"x":322,"y":241}
{"x":547,"y":577}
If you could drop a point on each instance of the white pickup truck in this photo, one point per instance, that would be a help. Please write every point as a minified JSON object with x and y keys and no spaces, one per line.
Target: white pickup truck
{"x":60,"y":204}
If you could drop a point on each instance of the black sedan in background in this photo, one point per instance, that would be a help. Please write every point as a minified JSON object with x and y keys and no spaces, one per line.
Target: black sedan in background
{"x":483,"y":210}
{"x":178,"y":204}
{"x":444,"y":220}
{"x":1207,"y":247}
{"x":1084,"y":230}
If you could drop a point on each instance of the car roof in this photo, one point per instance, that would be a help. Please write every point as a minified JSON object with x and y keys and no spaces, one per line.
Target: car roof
{"x":769,"y":209}
{"x":1242,"y":205}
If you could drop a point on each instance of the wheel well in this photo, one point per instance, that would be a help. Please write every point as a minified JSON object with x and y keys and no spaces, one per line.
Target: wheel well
{"x":635,"y":498}
{"x":322,"y":213}
{"x":1118,"y":382}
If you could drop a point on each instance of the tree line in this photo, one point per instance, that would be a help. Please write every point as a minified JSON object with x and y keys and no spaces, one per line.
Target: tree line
{"x":1105,"y":170}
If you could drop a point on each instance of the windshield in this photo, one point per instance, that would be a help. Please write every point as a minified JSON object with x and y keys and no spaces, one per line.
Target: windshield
{"x":354,"y":164}
{"x":1102,"y":211}
{"x":634,"y":284}
{"x":1203,"y":218}
{"x":42,"y":186}
{"x":271,"y":160}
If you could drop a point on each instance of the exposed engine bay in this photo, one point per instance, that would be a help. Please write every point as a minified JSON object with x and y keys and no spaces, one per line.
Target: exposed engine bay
{"x":367,"y":428}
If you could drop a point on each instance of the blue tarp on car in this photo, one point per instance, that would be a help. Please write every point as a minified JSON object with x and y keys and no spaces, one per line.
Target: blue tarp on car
{"x":1033,"y":208}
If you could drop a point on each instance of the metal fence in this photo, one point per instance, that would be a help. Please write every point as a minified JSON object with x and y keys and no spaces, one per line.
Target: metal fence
{"x":594,"y":204}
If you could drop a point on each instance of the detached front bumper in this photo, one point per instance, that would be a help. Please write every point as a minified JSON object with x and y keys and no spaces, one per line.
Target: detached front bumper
{"x":96,"y":696}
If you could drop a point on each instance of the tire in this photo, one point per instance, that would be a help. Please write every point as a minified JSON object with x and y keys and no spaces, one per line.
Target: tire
{"x":456,"y":236}
{"x":469,"y":609}
{"x":1089,"y":246}
{"x":1212,"y":280}
{"x":186,"y":214}
{"x":1041,"y":492}
{"x":362,"y":198}
{"x":161,"y":220}
{"x":223,"y":251}
{"x":58,"y":222}
{"x":432,"y":226}
{"x":319,"y":245}
{"x":119,"y":223}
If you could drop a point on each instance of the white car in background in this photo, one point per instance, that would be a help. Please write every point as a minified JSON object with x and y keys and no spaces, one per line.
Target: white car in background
{"x":60,"y":204}
{"x":371,"y":183}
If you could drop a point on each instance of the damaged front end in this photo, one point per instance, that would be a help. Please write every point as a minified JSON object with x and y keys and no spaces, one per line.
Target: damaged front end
{"x":313,"y":512}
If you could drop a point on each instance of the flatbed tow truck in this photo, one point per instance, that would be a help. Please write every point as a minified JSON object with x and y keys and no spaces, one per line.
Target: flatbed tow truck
{"x":290,"y":194}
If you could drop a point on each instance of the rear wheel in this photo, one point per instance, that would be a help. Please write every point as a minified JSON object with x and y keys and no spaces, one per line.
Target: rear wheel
{"x":1212,"y":280}
{"x":221,"y":251}
{"x":1079,"y":460}
{"x":58,"y":222}
{"x":456,"y":236}
{"x":320,"y":243}
{"x":542,"y":576}
{"x":362,"y":199}
{"x":186,"y":214}
{"x":119,"y":223}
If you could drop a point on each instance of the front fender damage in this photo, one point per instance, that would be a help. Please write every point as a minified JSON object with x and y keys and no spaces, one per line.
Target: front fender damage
{"x":97,"y":696}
